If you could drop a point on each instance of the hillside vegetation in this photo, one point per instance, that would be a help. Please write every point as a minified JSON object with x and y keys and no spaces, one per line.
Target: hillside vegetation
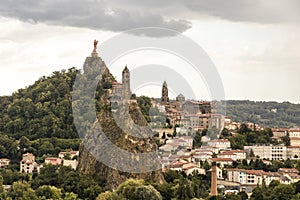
{"x":268,"y":114}
{"x":43,"y":110}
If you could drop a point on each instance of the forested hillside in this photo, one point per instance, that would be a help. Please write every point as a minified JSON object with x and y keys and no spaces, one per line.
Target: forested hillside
{"x":43,"y":110}
{"x":270,"y":114}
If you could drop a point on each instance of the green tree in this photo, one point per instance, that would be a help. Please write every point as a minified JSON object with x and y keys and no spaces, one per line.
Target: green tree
{"x":108,"y":195}
{"x":104,"y":195}
{"x":47,"y":176}
{"x":21,"y":191}
{"x":70,"y":196}
{"x":197,"y":140}
{"x":225,"y":133}
{"x":127,"y":189}
{"x":297,"y":187}
{"x":257,"y":194}
{"x":296,"y":197}
{"x":48,"y":192}
{"x":273,"y":184}
{"x":165,"y":190}
{"x":24,"y":142}
{"x":286,"y":140}
{"x":282,"y":192}
{"x":243,"y":195}
{"x":92,"y":191}
{"x":46,"y":148}
{"x":243,"y":129}
{"x":147,"y":192}
{"x":184,"y":191}
{"x":145,"y":105}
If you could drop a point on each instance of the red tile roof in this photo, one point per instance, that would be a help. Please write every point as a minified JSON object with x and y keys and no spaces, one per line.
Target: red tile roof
{"x":221,"y":159}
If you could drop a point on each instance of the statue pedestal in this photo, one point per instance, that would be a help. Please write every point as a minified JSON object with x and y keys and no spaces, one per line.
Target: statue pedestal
{"x":94,"y":54}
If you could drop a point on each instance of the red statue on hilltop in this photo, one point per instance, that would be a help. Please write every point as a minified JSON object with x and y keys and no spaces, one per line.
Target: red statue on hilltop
{"x":95,"y":45}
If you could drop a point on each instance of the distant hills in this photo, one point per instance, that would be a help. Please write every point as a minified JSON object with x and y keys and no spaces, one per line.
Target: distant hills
{"x":267,"y":114}
{"x":43,"y":110}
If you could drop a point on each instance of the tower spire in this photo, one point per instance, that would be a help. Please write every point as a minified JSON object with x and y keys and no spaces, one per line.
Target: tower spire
{"x":164,"y":95}
{"x":126,"y":84}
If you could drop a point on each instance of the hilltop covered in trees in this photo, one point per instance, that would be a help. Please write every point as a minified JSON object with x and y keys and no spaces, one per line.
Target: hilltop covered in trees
{"x":268,"y":114}
{"x":42,"y":110}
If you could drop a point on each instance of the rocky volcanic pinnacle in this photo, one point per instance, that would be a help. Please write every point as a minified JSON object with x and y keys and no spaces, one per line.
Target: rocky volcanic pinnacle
{"x":118,"y":145}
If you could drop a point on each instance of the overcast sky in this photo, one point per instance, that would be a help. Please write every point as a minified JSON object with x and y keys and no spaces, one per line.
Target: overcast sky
{"x":253,"y":43}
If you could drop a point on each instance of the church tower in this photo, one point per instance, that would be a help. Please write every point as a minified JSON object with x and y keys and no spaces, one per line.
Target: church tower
{"x":164,"y":95}
{"x":126,"y":84}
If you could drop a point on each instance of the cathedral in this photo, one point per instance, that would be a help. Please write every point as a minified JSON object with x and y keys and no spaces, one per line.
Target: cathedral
{"x":192,"y":114}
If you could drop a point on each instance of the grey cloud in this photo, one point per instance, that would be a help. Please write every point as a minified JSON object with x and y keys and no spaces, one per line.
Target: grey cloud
{"x":258,"y":11}
{"x":96,"y":14}
{"x":120,"y":15}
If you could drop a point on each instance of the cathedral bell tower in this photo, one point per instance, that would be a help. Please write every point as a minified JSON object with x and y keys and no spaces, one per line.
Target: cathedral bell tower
{"x":164,"y":95}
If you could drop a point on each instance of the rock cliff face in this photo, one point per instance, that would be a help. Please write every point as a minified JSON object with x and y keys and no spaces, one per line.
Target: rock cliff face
{"x":117,"y":146}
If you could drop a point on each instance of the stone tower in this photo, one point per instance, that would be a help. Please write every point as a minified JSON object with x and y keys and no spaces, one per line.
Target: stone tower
{"x":213,"y":190}
{"x":164,"y":95}
{"x":126,"y":84}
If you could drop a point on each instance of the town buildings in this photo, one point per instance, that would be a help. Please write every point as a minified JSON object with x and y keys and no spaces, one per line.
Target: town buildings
{"x":28,"y":164}
{"x":251,"y":178}
{"x":221,"y":144}
{"x":271,"y":152}
{"x":53,"y":161}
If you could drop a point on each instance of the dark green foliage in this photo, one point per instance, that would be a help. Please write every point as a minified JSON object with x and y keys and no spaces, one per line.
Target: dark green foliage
{"x":42,"y":110}
{"x":136,"y":189}
{"x":68,"y":180}
{"x":260,"y":112}
{"x":275,"y":191}
{"x":145,"y":105}
{"x":258,"y":164}
{"x":197,"y":140}
{"x":179,"y":186}
{"x":48,"y":192}
{"x":184,"y":191}
{"x":243,"y":129}
{"x":286,"y":140}
{"x":165,"y":190}
{"x":11,"y":176}
{"x":50,"y":146}
{"x":243,"y":195}
{"x":247,"y":136}
{"x":225,"y":133}
{"x":9,"y":148}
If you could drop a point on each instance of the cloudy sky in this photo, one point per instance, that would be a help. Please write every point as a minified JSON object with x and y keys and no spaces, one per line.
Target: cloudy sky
{"x":254,"y":44}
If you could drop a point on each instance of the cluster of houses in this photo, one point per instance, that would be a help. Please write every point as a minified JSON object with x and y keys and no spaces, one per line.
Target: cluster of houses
{"x":29,"y":165}
{"x":190,"y":115}
{"x":177,"y":154}
{"x":252,"y":178}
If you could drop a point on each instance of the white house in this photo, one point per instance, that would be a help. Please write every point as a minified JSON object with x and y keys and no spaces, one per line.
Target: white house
{"x":28,"y":164}
{"x":221,"y":144}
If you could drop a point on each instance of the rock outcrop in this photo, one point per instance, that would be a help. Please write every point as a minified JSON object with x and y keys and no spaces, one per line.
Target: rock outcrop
{"x":119,"y":144}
